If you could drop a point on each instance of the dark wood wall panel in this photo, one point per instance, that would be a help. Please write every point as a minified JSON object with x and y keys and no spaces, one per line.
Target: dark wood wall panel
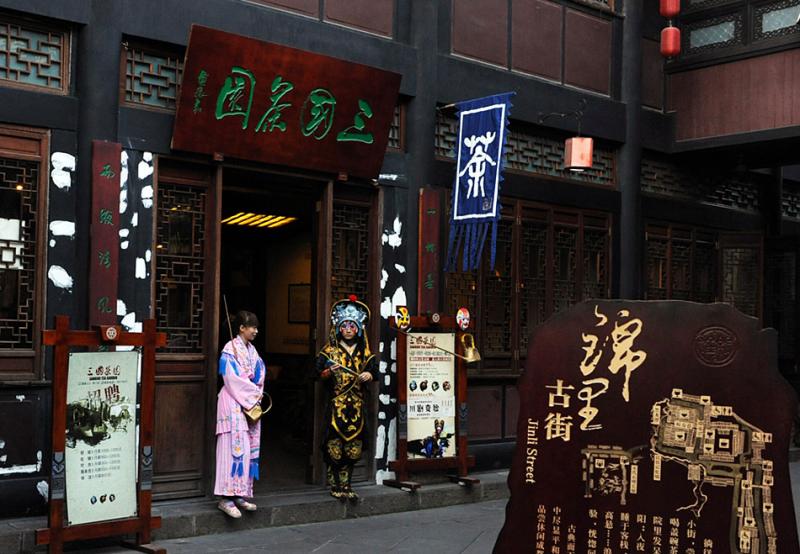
{"x":587,"y":48}
{"x":652,"y":74}
{"x":537,"y":37}
{"x":480,"y":30}
{"x":375,"y":16}
{"x":308,"y":7}
{"x":485,"y":409}
{"x":176,"y":411}
{"x":738,"y":97}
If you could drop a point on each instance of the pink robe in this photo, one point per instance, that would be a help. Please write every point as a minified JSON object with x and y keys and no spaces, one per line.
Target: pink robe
{"x":238,"y":441}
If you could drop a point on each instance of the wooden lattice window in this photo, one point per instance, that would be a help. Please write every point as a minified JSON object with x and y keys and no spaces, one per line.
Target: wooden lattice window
{"x":151,"y":75}
{"x":350,"y":248}
{"x":34,"y":55}
{"x":181,"y":266}
{"x":531,"y":154}
{"x":397,"y":131}
{"x":547,"y":260}
{"x":702,"y":265}
{"x":23,"y":223}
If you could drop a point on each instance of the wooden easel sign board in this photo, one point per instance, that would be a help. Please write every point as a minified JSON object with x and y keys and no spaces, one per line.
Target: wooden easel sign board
{"x":100,"y":454}
{"x":432,"y":401}
{"x":102,"y":472}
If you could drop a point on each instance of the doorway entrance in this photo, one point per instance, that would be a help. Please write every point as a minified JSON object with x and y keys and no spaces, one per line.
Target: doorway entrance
{"x":268,"y":267}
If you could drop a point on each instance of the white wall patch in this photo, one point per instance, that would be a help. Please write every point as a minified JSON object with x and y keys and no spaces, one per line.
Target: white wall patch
{"x":400,"y":268}
{"x":141,"y":268}
{"x":59,"y":277}
{"x":145,"y":169}
{"x":43,"y":488}
{"x":52,"y":243}
{"x":384,"y":398}
{"x":63,"y":165}
{"x":60,"y":228}
{"x":135,"y":219}
{"x":147,"y":196}
{"x":148,"y":255}
{"x":393,"y":238}
{"x":121,"y":308}
{"x":123,"y":182}
{"x":384,"y":278}
{"x":380,"y":443}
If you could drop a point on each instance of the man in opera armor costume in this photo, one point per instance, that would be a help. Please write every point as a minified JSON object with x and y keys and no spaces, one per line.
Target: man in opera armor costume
{"x":346,"y":365}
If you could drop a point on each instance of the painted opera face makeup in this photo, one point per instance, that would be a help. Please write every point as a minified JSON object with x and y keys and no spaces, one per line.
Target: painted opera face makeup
{"x":348,"y":330}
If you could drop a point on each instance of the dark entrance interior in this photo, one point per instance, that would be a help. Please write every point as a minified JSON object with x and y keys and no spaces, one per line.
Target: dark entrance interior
{"x":268,"y":267}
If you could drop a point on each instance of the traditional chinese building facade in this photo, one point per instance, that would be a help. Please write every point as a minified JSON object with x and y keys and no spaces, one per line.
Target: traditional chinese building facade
{"x":692,"y":194}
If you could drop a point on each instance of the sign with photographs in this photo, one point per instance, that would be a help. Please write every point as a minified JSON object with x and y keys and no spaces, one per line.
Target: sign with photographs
{"x":431,"y":395}
{"x":652,"y":427}
{"x":101,"y":436}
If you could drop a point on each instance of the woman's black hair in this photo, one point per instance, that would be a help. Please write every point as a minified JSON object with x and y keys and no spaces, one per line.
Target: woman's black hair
{"x":245,"y":318}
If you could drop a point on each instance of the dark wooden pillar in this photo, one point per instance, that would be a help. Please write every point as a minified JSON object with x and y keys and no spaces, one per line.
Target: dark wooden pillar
{"x":630,"y":157}
{"x":98,"y":58}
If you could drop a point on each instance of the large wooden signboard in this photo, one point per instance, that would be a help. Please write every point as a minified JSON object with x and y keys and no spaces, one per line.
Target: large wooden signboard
{"x":653,"y":427}
{"x":254,"y":100}
{"x":432,"y":401}
{"x":93,"y":395}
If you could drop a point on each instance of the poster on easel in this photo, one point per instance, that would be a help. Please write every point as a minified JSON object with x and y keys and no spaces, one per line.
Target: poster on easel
{"x":431,"y":395}
{"x":101,"y":436}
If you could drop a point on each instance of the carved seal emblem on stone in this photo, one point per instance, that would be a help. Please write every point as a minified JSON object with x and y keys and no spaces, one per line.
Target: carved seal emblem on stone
{"x":715,"y":346}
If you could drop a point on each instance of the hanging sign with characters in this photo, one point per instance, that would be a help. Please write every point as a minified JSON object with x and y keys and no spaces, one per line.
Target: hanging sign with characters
{"x":482,"y":130}
{"x":101,"y":436}
{"x":431,"y":395}
{"x":254,"y":100}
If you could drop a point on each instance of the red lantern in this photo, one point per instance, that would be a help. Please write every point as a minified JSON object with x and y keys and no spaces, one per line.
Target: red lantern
{"x":670,"y":42}
{"x":670,"y":8}
{"x":578,"y":153}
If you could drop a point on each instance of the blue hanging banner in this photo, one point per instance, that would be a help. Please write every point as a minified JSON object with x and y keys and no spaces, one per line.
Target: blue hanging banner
{"x":482,"y":130}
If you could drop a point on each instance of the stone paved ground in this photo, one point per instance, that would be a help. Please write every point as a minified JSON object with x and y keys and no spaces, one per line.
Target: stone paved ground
{"x":469,"y":528}
{"x":466,"y":528}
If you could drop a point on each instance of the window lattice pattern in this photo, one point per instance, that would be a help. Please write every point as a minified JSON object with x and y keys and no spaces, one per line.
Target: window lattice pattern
{"x":565,"y":251}
{"x":462,"y":290}
{"x":776,"y":19}
{"x":33,"y":56}
{"x":790,"y":203}
{"x":532,"y":154}
{"x":680,"y":264}
{"x":533,"y":308}
{"x":595,"y":263}
{"x":498,"y":291}
{"x":656,"y":262}
{"x":350,"y":272}
{"x":780,"y":299}
{"x":727,"y":191}
{"x":740,"y":281}
{"x":151,"y":78}
{"x":395,"y":140}
{"x":713,"y":33}
{"x":180,"y":266}
{"x":17,"y":252}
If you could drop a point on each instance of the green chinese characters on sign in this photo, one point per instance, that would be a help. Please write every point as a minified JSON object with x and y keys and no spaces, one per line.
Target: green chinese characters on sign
{"x":355,"y":133}
{"x":104,"y":256}
{"x":200,"y":91}
{"x":236,"y":86}
{"x":107,"y":172}
{"x":430,"y":248}
{"x":316,"y":117}
{"x":106,"y":217}
{"x":429,"y":282}
{"x":271,"y":118}
{"x":103,"y":305}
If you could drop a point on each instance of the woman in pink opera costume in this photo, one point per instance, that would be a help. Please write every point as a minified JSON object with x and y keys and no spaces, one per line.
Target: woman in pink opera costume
{"x":238,"y":440}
